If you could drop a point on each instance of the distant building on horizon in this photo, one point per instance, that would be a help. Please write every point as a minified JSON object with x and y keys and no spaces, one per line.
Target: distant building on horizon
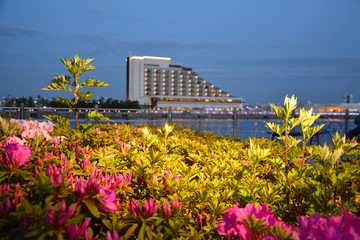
{"x":155,"y":82}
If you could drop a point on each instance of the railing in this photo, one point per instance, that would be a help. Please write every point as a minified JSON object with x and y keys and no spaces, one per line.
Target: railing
{"x":223,"y":122}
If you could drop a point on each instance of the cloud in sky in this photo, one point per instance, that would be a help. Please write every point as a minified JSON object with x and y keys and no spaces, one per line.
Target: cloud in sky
{"x":12,"y":31}
{"x":254,"y":49}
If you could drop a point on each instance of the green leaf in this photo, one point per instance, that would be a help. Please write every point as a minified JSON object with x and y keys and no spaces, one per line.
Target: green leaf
{"x":61,"y":121}
{"x":141,"y":234}
{"x":93,"y":209}
{"x":93,"y":115}
{"x":107,"y":224}
{"x":131,"y":230}
{"x":26,"y":205}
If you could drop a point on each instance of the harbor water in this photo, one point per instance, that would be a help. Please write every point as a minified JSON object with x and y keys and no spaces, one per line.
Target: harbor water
{"x":245,"y":128}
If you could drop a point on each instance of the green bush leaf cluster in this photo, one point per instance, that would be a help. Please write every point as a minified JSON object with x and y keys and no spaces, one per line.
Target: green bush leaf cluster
{"x":204,"y":172}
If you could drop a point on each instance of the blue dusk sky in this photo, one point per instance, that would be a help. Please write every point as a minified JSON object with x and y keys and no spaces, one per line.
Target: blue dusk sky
{"x":259,"y":50}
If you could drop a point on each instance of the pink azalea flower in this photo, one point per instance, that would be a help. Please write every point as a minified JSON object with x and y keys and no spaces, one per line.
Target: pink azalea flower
{"x":325,"y":227}
{"x":97,"y":131}
{"x":166,"y":209}
{"x":200,"y":220}
{"x":175,"y":203}
{"x":149,"y":208}
{"x":109,"y":200}
{"x":17,"y":155}
{"x":134,"y":207}
{"x":124,"y":147}
{"x":15,"y":139}
{"x":75,"y":230}
{"x":233,"y":223}
{"x":114,"y":235}
{"x":54,"y":219}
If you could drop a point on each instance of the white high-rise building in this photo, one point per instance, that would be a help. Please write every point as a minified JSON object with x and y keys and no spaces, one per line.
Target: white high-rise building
{"x":155,"y":82}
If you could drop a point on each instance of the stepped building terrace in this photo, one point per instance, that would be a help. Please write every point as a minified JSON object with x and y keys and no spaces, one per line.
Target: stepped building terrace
{"x":155,"y":82}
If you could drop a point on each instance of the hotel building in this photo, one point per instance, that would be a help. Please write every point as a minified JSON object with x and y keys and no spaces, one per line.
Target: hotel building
{"x":155,"y":82}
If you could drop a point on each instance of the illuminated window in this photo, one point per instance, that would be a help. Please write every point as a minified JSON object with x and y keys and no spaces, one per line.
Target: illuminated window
{"x":172,"y":71}
{"x":164,"y":70}
{"x":163,"y":84}
{"x":155,"y":88}
{"x":189,"y":72}
{"x":145,"y":69}
{"x":154,"y":79}
{"x":172,"y":88}
{"x":181,"y":93}
{"x":173,"y":74}
{"x":196,"y":76}
{"x":172,"y":84}
{"x":172,"y":79}
{"x":189,"y":80}
{"x":163,"y":88}
{"x":154,"y":74}
{"x":145,"y":74}
{"x":181,"y":75}
{"x":163,"y":92}
{"x":197,"y":94}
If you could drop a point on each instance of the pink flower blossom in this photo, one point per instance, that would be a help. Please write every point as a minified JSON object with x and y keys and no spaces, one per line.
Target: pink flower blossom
{"x":166,"y":209}
{"x":17,"y":155}
{"x":124,"y":147}
{"x":148,"y":209}
{"x":233,"y":223}
{"x":114,"y":235}
{"x":15,"y":139}
{"x":56,"y":220}
{"x":325,"y":227}
{"x":109,"y":200}
{"x":75,"y":230}
{"x":200,"y":220}
{"x":175,"y":203}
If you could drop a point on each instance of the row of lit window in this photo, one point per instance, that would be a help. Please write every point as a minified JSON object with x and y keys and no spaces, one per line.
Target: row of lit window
{"x":172,"y":71}
{"x":172,"y":93}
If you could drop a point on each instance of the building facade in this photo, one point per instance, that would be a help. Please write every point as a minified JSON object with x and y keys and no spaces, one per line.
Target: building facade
{"x":155,"y":82}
